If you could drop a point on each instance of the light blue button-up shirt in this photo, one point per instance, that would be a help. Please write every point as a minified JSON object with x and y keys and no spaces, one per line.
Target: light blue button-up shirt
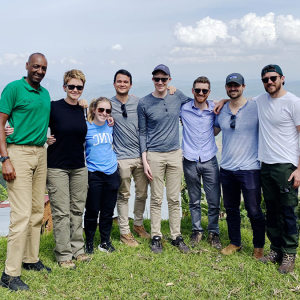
{"x":198,"y":139}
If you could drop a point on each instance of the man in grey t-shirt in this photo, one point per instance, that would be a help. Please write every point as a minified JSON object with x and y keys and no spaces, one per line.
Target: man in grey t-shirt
{"x":240,"y":168}
{"x":127,"y":148}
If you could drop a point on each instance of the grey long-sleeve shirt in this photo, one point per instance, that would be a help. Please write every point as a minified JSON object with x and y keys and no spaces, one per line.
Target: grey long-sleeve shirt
{"x":159,"y":122}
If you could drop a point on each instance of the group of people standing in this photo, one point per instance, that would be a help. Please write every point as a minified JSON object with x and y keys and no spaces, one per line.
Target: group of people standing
{"x":91,"y":160}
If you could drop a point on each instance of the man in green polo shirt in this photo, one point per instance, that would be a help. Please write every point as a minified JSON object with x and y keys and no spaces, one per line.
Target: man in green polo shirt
{"x":26,"y":107}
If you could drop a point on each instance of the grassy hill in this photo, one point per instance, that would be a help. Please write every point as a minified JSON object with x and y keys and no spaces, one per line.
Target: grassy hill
{"x":138,"y":274}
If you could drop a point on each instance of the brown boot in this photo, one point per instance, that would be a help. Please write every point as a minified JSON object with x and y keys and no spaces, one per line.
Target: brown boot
{"x":258,"y":253}
{"x":83,"y":258}
{"x":141,"y":231}
{"x":230,"y":249}
{"x":288,"y":263}
{"x":272,"y":257}
{"x":129,"y":240}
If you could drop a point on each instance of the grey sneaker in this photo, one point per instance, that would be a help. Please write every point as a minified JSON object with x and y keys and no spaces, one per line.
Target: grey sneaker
{"x":214,"y":240}
{"x":272,"y":257}
{"x":288,"y":263}
{"x":106,"y":247}
{"x":196,"y":237}
{"x":156,"y":245}
{"x":13,"y":283}
{"x":180,"y":244}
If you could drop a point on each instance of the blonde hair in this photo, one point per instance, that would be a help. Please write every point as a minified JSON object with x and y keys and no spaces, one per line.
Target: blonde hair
{"x":93,"y":105}
{"x":74,"y":74}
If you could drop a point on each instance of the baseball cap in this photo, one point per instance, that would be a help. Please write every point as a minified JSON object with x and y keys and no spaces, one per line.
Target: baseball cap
{"x":235,"y":77}
{"x":163,"y":68}
{"x":271,"y":68}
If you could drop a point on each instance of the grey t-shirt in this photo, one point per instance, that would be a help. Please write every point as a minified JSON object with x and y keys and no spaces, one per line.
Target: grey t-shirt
{"x":239,"y":145}
{"x":159,"y":122}
{"x":126,"y":130}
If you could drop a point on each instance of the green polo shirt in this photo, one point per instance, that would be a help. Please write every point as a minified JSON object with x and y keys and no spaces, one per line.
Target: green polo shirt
{"x":29,"y":112}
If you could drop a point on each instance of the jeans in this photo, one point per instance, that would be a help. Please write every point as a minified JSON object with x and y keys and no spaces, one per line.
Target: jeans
{"x":209,"y":171}
{"x":247,"y":181}
{"x":102,"y":197}
{"x":281,"y":202}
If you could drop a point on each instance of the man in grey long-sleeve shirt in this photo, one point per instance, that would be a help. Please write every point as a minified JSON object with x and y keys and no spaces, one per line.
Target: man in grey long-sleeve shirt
{"x":158,"y":115}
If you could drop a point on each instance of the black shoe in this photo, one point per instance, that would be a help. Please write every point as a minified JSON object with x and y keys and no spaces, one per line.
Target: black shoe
{"x":196,"y":237}
{"x":106,"y":247}
{"x":214,"y":240}
{"x":38,"y":266}
{"x":180,"y":244}
{"x":156,"y":245}
{"x":13,"y":283}
{"x":89,"y":248}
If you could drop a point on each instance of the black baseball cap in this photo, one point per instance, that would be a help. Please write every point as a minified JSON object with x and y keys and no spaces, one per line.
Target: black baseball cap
{"x":236,"y":78}
{"x":271,"y":68}
{"x":163,"y":68}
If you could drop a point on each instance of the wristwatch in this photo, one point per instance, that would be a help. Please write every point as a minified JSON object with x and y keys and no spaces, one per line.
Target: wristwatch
{"x":4,"y":158}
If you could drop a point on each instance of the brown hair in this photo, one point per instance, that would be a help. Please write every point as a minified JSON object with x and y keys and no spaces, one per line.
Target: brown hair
{"x":93,"y":105}
{"x":202,"y":79}
{"x":74,"y":74}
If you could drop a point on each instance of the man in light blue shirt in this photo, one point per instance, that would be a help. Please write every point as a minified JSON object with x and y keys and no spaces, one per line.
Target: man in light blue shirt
{"x":240,"y":168}
{"x":199,"y":151}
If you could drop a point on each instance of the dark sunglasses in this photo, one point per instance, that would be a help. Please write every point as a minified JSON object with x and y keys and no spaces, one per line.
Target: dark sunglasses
{"x":71,"y":87}
{"x":101,"y":110}
{"x":124,"y":112}
{"x":232,"y":121}
{"x":204,"y":91}
{"x":158,"y":79}
{"x":266,"y":79}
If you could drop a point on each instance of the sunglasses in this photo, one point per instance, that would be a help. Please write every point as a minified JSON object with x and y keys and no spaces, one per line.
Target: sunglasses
{"x":158,"y":79}
{"x":204,"y":91}
{"x":266,"y":79}
{"x":232,"y":121}
{"x":101,"y":110}
{"x":124,"y":112}
{"x":71,"y":87}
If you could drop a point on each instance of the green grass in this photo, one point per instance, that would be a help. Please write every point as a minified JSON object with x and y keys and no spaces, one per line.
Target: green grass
{"x":136,"y":273}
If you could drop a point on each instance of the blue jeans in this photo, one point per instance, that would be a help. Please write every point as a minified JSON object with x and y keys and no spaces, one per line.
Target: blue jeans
{"x":247,"y":181}
{"x":209,"y":171}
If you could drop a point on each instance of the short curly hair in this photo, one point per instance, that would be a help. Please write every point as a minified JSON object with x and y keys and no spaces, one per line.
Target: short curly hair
{"x":74,"y":74}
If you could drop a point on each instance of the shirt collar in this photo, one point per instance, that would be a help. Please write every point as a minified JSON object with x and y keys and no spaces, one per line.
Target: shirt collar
{"x":29,"y":87}
{"x":209,"y":104}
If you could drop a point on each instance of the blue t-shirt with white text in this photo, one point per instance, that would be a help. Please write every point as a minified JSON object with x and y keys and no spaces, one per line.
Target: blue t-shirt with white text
{"x":99,"y":152}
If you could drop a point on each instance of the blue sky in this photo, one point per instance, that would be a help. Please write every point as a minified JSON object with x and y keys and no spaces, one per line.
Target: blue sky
{"x":193,"y":38}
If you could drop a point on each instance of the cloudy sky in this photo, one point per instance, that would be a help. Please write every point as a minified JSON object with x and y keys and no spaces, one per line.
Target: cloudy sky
{"x":211,"y":38}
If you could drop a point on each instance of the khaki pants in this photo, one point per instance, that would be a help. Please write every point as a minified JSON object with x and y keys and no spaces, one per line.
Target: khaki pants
{"x":127,"y":168}
{"x":26,"y":195}
{"x":67,"y":193}
{"x":167,"y":164}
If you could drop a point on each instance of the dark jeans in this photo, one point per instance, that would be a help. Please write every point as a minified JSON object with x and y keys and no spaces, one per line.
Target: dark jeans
{"x":247,"y":181}
{"x":209,"y":171}
{"x":102,"y":197}
{"x":281,"y":203}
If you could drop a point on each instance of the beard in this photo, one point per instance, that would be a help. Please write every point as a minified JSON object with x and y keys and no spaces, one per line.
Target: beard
{"x":237,"y":95}
{"x":277,"y":88}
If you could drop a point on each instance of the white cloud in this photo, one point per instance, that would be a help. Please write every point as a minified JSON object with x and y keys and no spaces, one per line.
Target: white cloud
{"x":14,"y":59}
{"x":116,"y":47}
{"x":71,"y":61}
{"x":251,"y":37}
{"x":112,"y":62}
